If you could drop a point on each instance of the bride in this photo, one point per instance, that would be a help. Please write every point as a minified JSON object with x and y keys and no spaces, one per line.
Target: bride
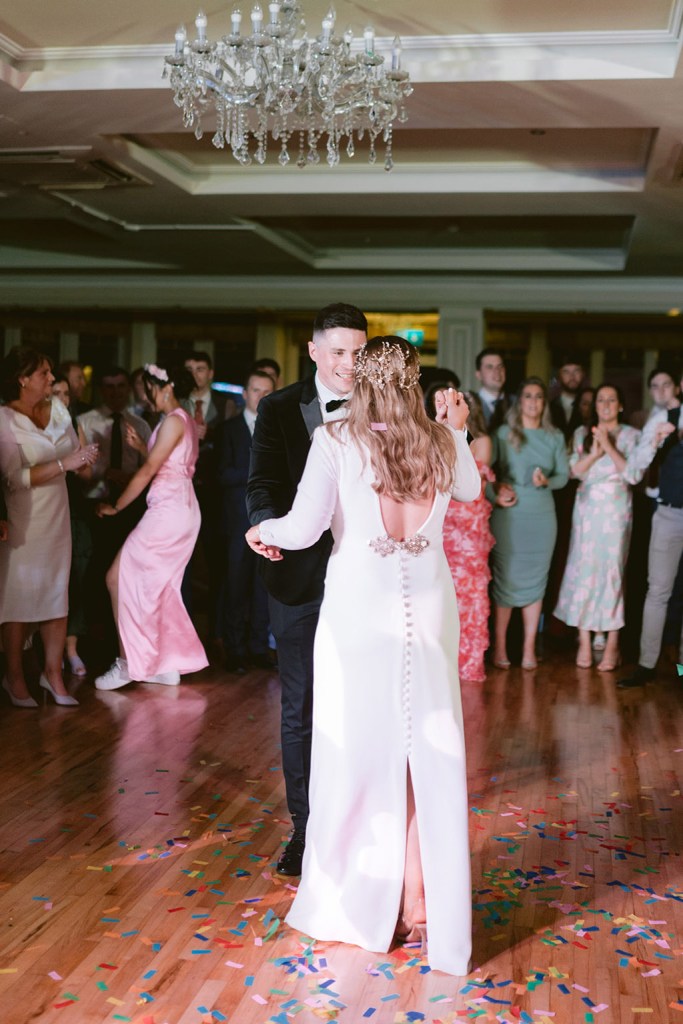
{"x":387,"y":853}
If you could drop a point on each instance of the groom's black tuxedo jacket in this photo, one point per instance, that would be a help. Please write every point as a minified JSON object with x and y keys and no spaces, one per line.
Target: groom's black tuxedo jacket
{"x":282,"y":439}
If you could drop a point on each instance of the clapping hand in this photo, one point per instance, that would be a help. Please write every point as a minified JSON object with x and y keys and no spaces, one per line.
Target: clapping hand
{"x":602,"y":438}
{"x":81,"y":458}
{"x":505,"y":496}
{"x":253,"y":539}
{"x":451,"y":408}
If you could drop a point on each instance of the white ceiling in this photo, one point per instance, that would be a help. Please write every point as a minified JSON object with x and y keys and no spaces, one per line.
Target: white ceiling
{"x":543,"y":155}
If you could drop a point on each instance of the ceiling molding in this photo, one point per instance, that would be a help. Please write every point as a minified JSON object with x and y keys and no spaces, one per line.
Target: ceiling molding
{"x":470,"y":259}
{"x":407,"y":292}
{"x":529,"y":56}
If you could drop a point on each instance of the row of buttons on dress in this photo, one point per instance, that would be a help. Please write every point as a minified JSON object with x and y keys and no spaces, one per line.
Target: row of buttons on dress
{"x":407,"y":650}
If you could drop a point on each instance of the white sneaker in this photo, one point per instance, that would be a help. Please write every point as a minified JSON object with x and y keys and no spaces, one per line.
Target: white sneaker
{"x":599,"y":642}
{"x":165,"y":678}
{"x":115,"y":677}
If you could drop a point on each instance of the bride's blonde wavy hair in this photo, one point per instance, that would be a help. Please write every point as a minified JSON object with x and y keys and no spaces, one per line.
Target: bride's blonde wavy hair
{"x":413,"y":456}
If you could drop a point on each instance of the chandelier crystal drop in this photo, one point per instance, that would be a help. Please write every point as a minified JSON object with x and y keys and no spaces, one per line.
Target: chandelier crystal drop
{"x":307,"y":94}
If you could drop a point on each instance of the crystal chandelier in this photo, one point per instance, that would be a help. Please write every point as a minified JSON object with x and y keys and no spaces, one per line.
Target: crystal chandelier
{"x":303,"y":92}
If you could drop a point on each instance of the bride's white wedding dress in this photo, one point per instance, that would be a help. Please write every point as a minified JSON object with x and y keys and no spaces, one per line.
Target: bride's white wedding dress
{"x":386,"y":697}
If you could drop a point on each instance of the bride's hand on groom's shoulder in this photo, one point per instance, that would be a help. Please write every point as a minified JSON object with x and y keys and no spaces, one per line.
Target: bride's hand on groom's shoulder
{"x":253,"y":539}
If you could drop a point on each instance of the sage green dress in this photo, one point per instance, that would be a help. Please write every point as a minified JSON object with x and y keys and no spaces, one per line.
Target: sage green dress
{"x":525,"y":533}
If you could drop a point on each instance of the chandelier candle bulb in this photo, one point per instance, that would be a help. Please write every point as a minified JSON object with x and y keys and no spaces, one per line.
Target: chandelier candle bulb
{"x":274,"y":9}
{"x":256,"y":19}
{"x":201,"y":23}
{"x":369,"y":36}
{"x":396,"y":54}
{"x":180,"y":40}
{"x":328,"y":26}
{"x":236,"y":21}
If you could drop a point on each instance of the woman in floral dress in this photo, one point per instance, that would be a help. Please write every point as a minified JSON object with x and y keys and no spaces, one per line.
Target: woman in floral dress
{"x":467,"y":541}
{"x":592,"y":591}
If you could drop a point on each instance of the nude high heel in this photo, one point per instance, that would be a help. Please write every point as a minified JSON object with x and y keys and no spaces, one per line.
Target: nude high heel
{"x":64,"y":700}
{"x":18,"y":702}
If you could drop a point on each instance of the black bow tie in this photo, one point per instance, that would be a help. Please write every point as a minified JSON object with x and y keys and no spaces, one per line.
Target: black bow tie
{"x":335,"y":404}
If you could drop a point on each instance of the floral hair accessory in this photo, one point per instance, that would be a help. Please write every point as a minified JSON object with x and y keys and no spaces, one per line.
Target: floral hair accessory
{"x":379,"y":370}
{"x":157,"y":372}
{"x":378,"y":426}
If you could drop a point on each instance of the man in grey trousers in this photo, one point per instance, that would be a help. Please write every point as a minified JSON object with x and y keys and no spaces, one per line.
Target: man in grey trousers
{"x":664,"y":445}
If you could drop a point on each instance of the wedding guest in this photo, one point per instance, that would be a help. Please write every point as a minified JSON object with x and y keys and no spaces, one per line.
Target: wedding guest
{"x":530,"y":462}
{"x":491,"y":374}
{"x":666,"y":542}
{"x":467,"y":541}
{"x":565,"y":411}
{"x":388,"y":742}
{"x":157,"y":640}
{"x":664,"y":389}
{"x":245,"y":600}
{"x":81,"y":549}
{"x":38,"y":447}
{"x":138,"y":403}
{"x":271,"y":367}
{"x":75,"y":375}
{"x":209,"y":409}
{"x":592,"y":592}
{"x":109,"y":425}
{"x":282,"y":439}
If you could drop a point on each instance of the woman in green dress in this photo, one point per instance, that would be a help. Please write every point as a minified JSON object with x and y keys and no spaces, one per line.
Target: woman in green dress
{"x":530,"y":461}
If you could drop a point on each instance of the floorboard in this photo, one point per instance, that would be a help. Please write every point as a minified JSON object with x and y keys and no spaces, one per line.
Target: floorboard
{"x":138,"y":836}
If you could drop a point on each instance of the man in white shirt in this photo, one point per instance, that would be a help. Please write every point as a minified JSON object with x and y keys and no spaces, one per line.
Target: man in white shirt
{"x":490,"y":372}
{"x":106,"y":426}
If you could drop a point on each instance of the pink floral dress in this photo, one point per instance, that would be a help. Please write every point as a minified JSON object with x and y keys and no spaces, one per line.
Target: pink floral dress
{"x":467,"y":541}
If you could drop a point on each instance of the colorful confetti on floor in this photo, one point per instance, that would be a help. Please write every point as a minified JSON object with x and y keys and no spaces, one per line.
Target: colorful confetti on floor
{"x":138,"y":878}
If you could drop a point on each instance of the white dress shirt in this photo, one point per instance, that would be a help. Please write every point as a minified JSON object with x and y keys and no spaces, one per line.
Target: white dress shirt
{"x":96,"y":426}
{"x":325,"y":396}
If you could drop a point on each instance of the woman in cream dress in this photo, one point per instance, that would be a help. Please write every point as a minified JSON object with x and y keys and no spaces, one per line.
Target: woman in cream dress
{"x":38,"y":446}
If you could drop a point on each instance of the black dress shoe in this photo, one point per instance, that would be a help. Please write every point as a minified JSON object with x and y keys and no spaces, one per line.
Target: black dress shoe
{"x":292,"y":856}
{"x":641,"y":676}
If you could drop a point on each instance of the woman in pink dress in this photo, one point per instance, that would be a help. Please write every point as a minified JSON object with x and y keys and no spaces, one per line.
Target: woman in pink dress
{"x":157,"y":640}
{"x":467,"y":541}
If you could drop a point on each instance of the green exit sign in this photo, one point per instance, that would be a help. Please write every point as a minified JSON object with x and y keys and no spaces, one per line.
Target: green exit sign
{"x":414,"y":335}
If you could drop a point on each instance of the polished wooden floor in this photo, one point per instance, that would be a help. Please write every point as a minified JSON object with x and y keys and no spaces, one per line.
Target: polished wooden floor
{"x":138,"y":835}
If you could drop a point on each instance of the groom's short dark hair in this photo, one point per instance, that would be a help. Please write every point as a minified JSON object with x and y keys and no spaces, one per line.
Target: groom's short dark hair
{"x":339,"y":314}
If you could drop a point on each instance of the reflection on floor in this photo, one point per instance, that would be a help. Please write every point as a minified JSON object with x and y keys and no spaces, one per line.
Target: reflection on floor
{"x":139,"y":833}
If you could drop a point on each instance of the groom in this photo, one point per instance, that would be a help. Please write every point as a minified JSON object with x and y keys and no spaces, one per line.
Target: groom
{"x":281,"y":442}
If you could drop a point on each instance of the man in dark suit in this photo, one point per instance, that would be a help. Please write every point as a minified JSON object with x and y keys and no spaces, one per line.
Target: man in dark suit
{"x":564,"y":411}
{"x":490,"y":372}
{"x":209,"y":409}
{"x":282,"y":439}
{"x":244,"y":607}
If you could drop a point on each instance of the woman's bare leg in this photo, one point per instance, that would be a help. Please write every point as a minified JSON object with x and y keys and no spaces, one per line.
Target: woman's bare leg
{"x":13,"y":639}
{"x":113,"y":588}
{"x":502,"y":619}
{"x":531,"y":616}
{"x":610,"y":659}
{"x":53,"y":633}
{"x":413,"y":905}
{"x":584,"y":655}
